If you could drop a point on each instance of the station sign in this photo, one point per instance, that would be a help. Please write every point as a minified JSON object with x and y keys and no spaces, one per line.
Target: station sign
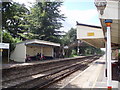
{"x":90,"y":34}
{"x":4,"y":45}
{"x":84,"y":32}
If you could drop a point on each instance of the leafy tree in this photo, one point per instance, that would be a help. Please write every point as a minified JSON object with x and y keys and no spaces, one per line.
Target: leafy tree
{"x":14,"y":18}
{"x":6,"y":13}
{"x":45,"y":21}
{"x":70,"y":37}
{"x":14,"y":23}
{"x":7,"y":38}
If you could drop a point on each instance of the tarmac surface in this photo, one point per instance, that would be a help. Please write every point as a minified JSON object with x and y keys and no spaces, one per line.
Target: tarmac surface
{"x":93,"y":77}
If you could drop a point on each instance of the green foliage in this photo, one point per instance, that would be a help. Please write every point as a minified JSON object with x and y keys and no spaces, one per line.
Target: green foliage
{"x":85,"y":50}
{"x":7,"y":38}
{"x":70,"y":37}
{"x":14,"y":18}
{"x":74,"y":52}
{"x":72,"y":34}
{"x":42,"y":21}
{"x":45,"y":19}
{"x":67,"y":39}
{"x":90,"y":50}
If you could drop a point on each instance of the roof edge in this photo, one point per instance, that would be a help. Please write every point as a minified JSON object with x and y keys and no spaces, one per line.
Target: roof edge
{"x":88,"y":25}
{"x":33,"y":40}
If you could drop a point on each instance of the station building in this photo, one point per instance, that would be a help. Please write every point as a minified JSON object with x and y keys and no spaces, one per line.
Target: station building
{"x":32,"y":48}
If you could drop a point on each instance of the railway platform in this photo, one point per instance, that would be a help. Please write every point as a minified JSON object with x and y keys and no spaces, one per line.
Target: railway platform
{"x":92,"y":77}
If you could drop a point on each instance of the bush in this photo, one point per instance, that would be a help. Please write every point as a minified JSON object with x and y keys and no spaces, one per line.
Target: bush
{"x":7,"y":38}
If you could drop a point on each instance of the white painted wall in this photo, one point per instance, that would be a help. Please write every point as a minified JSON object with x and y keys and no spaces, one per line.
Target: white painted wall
{"x":33,"y":50}
{"x":19,"y":53}
{"x":48,"y":51}
{"x":41,"y":50}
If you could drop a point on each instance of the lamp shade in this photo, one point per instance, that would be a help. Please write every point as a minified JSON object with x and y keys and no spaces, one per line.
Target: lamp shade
{"x":100,"y":5}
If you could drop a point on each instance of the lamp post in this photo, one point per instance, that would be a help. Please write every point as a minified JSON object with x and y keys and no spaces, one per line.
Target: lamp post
{"x":78,"y":48}
{"x":100,"y":5}
{"x":108,"y":46}
{"x":0,"y":31}
{"x":1,"y":35}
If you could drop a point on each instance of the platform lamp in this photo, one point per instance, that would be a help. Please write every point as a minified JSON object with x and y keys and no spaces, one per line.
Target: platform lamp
{"x":100,"y":5}
{"x":108,"y":23}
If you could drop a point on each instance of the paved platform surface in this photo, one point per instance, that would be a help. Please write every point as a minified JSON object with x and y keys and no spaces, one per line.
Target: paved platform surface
{"x":92,"y":77}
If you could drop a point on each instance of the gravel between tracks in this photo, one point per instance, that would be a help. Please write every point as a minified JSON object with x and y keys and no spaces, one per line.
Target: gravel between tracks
{"x":66,"y":80}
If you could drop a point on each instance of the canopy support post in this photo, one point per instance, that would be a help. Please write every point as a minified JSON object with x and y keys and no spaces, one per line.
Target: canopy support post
{"x":109,"y":67}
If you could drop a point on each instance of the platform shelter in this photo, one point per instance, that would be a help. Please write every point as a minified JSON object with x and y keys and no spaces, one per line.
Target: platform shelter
{"x":32,"y":48}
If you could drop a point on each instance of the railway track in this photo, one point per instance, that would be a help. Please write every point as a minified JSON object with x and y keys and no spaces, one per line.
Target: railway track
{"x":47,"y":76}
{"x":17,"y":72}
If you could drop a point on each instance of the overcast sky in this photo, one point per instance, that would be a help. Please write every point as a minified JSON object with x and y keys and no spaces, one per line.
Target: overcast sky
{"x":83,"y":11}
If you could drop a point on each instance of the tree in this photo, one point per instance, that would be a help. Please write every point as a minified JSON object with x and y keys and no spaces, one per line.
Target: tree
{"x":70,"y":37}
{"x":7,"y":38}
{"x":14,"y":23}
{"x":14,"y":19}
{"x":67,"y":40}
{"x":45,"y":21}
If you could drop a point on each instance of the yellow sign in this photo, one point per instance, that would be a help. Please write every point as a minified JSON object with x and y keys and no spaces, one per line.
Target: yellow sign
{"x":90,"y":34}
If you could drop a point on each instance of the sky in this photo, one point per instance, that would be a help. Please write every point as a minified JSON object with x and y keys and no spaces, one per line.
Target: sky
{"x":83,"y":11}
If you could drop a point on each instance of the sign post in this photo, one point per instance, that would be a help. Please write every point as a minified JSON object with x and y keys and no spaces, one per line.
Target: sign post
{"x":109,"y":69}
{"x":4,"y":46}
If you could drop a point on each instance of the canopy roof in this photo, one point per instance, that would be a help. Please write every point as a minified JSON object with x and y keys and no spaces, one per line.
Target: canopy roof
{"x":109,"y":11}
{"x":91,"y":34}
{"x":35,"y":41}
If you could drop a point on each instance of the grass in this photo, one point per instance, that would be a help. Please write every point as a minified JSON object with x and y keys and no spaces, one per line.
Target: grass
{"x":73,"y":55}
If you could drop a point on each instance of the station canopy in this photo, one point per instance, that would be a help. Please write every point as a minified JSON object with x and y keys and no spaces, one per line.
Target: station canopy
{"x":110,"y":10}
{"x":39,"y":42}
{"x":90,"y":34}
